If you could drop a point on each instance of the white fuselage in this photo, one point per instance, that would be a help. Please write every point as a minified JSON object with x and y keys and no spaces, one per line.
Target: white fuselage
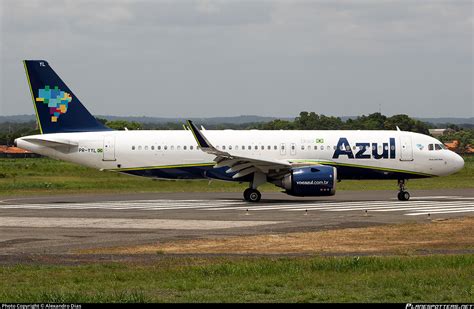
{"x":125,"y":150}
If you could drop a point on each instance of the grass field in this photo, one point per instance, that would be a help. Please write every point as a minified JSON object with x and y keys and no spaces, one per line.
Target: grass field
{"x":47,"y":176}
{"x":316,"y":279}
{"x":445,"y":235}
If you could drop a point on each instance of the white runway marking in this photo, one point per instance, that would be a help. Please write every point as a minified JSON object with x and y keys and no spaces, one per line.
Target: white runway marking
{"x":414,"y":207}
{"x":114,"y":223}
{"x":433,"y":197}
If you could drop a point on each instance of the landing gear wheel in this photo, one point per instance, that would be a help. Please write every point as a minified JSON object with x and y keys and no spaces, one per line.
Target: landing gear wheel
{"x":247,"y":194}
{"x":252,"y":195}
{"x":403,"y":196}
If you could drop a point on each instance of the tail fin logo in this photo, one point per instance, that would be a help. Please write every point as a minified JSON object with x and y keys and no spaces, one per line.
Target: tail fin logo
{"x":56,"y":99}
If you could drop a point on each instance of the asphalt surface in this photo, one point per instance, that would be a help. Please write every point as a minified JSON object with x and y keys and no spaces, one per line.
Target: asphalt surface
{"x":61,"y":225}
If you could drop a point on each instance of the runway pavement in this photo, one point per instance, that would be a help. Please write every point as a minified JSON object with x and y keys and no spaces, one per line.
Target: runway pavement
{"x":62,"y":224}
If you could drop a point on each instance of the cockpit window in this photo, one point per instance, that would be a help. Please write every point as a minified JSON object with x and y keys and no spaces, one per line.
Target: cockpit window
{"x":438,"y":147}
{"x":430,"y":147}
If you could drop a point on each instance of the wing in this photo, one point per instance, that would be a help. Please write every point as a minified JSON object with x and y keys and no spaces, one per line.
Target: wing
{"x":241,"y":166}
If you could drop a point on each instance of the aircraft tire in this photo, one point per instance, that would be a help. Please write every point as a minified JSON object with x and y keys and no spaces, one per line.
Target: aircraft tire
{"x":403,"y":196}
{"x":254,"y":196}
{"x":247,"y":194}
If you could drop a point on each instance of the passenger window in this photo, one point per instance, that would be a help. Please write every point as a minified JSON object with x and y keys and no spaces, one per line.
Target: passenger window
{"x":292,"y":147}
{"x":184,"y":147}
{"x":191,"y":147}
{"x":336,"y":148}
{"x":146,"y":147}
{"x":348,"y":148}
{"x":139,"y":147}
{"x":159,"y":147}
{"x":322,"y":147}
{"x":269,"y":147}
{"x":256,"y":147}
{"x":302,"y":147}
{"x":230,"y":147}
{"x":430,"y":147}
{"x":133,"y":147}
{"x":250,"y":147}
{"x":165,"y":147}
{"x":263,"y":147}
{"x":315,"y":147}
{"x":223,"y":147}
{"x":152,"y":147}
{"x":236,"y":147}
{"x":172,"y":147}
{"x":275,"y":147}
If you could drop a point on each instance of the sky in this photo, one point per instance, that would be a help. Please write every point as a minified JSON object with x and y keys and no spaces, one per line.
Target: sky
{"x":209,"y":58}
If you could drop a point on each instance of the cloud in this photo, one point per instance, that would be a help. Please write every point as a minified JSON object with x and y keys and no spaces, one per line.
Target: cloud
{"x":209,"y":57}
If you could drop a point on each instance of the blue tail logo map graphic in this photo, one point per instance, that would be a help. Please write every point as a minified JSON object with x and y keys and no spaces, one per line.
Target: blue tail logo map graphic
{"x":56,"y":99}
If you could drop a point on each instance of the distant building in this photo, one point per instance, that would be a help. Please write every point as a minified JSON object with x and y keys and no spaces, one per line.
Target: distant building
{"x":15,"y":152}
{"x":440,"y":132}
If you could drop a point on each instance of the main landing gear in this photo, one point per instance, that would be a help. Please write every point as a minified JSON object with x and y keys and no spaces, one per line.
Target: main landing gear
{"x":252,"y":194}
{"x":402,"y":194}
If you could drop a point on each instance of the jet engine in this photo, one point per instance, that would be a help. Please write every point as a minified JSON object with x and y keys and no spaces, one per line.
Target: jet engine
{"x":310,"y":181}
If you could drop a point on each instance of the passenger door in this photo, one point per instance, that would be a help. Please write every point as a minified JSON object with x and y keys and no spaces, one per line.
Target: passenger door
{"x":109,"y":148}
{"x":406,"y":153}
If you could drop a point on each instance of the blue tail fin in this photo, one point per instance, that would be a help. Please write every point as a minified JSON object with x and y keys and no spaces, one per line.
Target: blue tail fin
{"x":57,"y":108}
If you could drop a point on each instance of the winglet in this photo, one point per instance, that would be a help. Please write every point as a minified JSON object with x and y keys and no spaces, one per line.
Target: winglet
{"x":200,"y":139}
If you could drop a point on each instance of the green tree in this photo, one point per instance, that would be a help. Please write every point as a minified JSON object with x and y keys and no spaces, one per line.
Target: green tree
{"x":465,"y":137}
{"x":277,"y":124}
{"x":122,"y":124}
{"x":406,"y":123}
{"x":313,"y":121}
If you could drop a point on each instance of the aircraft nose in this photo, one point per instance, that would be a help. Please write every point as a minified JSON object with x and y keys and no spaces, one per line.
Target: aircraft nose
{"x":457,"y":162}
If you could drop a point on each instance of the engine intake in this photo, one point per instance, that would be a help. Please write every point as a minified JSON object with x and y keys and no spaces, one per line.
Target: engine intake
{"x":310,"y":181}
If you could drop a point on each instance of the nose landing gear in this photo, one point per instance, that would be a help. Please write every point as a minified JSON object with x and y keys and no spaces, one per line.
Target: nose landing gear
{"x":402,"y":194}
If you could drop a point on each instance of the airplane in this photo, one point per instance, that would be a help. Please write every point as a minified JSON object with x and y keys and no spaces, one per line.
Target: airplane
{"x":301,"y":162}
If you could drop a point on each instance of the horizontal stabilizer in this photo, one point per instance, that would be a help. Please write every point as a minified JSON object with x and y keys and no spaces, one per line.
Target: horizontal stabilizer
{"x":49,"y":142}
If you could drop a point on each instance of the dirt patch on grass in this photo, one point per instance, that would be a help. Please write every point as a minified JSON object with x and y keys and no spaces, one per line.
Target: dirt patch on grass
{"x":455,"y":234}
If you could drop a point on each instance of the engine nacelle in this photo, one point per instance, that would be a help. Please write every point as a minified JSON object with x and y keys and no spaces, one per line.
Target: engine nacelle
{"x":310,"y":181}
